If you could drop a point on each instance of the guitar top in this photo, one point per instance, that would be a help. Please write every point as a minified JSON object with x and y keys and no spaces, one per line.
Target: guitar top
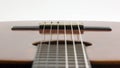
{"x":17,"y":46}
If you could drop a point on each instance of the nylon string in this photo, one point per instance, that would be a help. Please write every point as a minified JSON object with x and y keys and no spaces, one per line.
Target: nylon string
{"x":38,"y":50}
{"x":66,"y":53}
{"x":57,"y":48}
{"x":48,"y":50}
{"x":74,"y":47}
{"x":87,"y":64}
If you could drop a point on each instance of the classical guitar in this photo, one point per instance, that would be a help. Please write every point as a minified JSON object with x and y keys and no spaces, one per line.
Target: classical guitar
{"x":61,"y":53}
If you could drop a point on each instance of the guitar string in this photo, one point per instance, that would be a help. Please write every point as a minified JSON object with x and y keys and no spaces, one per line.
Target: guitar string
{"x":66,"y":53}
{"x":72,"y":37}
{"x":78,"y":37}
{"x":43,"y":38}
{"x":44,"y":31}
{"x":57,"y":47}
{"x":74,"y":47}
{"x":83,"y":48}
{"x":38,"y":51}
{"x":49,"y":44}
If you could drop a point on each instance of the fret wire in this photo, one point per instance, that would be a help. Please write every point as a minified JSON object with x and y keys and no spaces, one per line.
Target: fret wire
{"x":57,"y":51}
{"x":48,"y":50}
{"x":87,"y":64}
{"x":38,"y":48}
{"x":66,"y":53}
{"x":74,"y":47}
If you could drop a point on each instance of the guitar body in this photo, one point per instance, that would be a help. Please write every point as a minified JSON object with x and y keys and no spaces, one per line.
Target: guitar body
{"x":16,"y":47}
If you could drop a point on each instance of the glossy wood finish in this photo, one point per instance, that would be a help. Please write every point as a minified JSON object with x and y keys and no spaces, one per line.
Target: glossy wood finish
{"x":18,"y":45}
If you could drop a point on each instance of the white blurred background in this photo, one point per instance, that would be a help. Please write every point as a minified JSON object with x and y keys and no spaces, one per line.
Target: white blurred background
{"x":97,"y":10}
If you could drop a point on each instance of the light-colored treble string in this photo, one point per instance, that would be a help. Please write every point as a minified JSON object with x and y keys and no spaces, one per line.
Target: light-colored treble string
{"x":74,"y":47}
{"x":42,"y":40}
{"x":48,"y":50}
{"x":57,"y":47}
{"x":38,"y":50}
{"x":87,"y":64}
{"x":66,"y":53}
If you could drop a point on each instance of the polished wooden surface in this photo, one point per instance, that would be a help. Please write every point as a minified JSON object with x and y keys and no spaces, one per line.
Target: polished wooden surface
{"x":18,"y":45}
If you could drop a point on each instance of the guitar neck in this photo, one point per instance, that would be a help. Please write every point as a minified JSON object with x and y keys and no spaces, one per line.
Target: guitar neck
{"x":60,"y":56}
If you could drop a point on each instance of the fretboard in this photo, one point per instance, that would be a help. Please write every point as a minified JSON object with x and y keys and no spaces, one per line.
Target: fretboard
{"x":59,"y":56}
